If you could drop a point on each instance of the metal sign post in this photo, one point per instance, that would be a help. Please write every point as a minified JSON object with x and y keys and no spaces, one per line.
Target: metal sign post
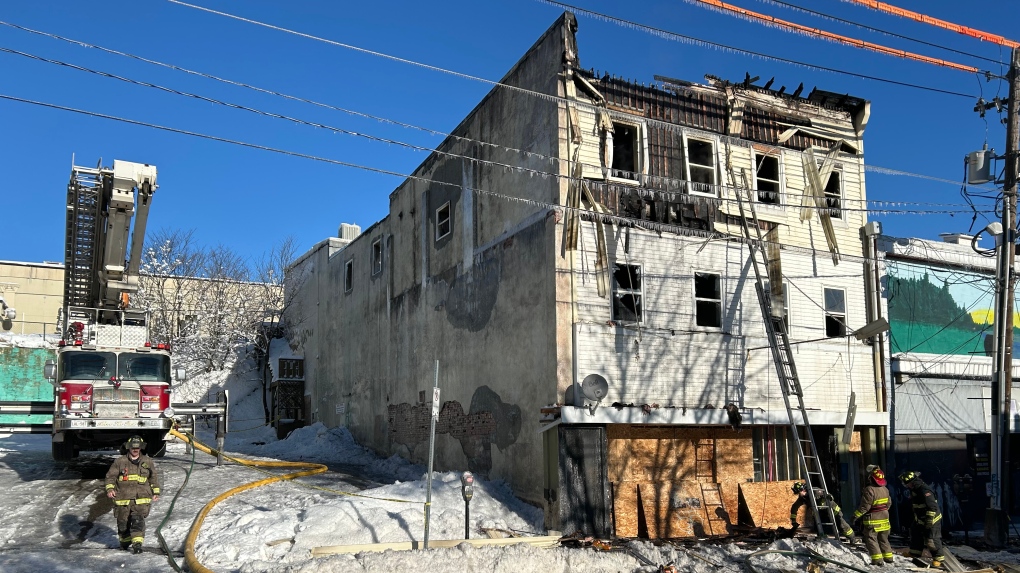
{"x":432,"y":449}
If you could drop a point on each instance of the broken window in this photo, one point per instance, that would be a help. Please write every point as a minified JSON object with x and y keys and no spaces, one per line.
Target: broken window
{"x":701,"y":163}
{"x":766,"y":178}
{"x":377,"y":257}
{"x":626,"y":152}
{"x":627,"y":297}
{"x":834,"y":194}
{"x":443,"y":223}
{"x":708,"y":299}
{"x":349,"y":275}
{"x":835,"y":313}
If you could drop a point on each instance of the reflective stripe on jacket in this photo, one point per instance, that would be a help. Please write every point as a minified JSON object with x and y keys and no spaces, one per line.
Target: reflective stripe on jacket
{"x":133,"y":480}
{"x":873,"y":511}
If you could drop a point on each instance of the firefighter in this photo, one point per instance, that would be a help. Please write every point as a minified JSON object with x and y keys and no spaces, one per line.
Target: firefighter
{"x":873,"y":511}
{"x":926,"y":531}
{"x":822,"y":499}
{"x":133,"y":484}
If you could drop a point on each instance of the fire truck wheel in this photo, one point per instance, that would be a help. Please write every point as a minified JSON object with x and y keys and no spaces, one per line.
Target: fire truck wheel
{"x":64,"y":451}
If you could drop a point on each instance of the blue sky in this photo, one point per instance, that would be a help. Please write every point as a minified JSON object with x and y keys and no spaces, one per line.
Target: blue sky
{"x":248,"y":200}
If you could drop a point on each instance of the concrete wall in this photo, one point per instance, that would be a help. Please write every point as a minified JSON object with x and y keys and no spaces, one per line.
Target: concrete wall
{"x":476,"y":300}
{"x":36,"y":291}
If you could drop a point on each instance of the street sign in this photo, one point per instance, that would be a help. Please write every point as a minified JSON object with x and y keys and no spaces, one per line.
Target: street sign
{"x":435,"y":402}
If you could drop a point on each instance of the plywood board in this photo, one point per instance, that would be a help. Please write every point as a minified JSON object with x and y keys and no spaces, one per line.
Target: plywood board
{"x":674,"y":510}
{"x":661,"y":454}
{"x":767,"y":503}
{"x":625,"y":509}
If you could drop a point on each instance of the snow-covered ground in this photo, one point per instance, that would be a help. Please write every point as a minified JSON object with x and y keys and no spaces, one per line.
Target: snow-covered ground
{"x":53,"y":519}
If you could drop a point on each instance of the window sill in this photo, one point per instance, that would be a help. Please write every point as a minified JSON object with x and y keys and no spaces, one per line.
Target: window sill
{"x":625,"y":181}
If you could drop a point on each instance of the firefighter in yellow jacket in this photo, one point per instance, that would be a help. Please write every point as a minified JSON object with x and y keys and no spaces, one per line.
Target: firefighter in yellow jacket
{"x":133,"y":484}
{"x":926,"y":531}
{"x":873,"y":511}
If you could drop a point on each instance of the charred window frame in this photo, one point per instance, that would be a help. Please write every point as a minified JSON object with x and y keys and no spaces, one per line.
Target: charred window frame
{"x":701,"y":165}
{"x":444,"y":224}
{"x":708,"y":299}
{"x":774,"y":455}
{"x":349,"y":275}
{"x":628,"y":147}
{"x":834,"y":194}
{"x":628,"y":293}
{"x":835,"y":312}
{"x":768,"y":177}
{"x":377,"y":257}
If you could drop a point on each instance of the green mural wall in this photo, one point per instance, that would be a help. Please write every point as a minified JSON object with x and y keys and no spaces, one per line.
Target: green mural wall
{"x":21,"y":378}
{"x":940,"y":311}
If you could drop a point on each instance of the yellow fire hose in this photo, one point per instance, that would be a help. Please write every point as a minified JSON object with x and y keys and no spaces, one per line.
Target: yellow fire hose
{"x":189,"y":543}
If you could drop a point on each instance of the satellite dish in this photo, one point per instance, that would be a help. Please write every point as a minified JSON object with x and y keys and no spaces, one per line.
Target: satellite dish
{"x":594,"y":387}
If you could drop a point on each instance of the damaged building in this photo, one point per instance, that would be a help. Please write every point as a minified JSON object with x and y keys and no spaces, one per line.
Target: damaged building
{"x":570,"y":262}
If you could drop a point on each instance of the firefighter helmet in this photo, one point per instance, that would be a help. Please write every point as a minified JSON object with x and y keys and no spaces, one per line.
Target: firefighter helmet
{"x":134,"y":442}
{"x":877,"y":476}
{"x":798,"y":487}
{"x":907,"y":477}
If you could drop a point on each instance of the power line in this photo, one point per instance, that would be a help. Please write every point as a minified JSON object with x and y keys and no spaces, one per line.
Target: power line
{"x":674,"y":36}
{"x":718,"y":190}
{"x":529,"y":154}
{"x":588,"y":214}
{"x":874,"y":29}
{"x":731,"y":10}
{"x":661,"y":33}
{"x":925,"y":19}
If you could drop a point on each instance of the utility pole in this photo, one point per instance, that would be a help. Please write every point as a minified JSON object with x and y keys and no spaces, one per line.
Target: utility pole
{"x":997,"y":516}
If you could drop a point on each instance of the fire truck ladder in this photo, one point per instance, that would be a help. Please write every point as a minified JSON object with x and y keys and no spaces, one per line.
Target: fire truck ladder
{"x":82,"y":245}
{"x":789,"y":382}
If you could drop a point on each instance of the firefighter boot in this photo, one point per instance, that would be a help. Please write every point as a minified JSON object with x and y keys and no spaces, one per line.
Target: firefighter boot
{"x":136,"y":548}
{"x":938,"y":563}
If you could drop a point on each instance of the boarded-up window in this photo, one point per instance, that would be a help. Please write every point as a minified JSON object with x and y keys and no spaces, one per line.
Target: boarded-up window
{"x":708,"y":299}
{"x":627,"y":293}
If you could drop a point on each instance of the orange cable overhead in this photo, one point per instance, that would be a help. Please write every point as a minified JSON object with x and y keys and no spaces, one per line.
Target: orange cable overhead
{"x":903,"y":13}
{"x":846,"y":40}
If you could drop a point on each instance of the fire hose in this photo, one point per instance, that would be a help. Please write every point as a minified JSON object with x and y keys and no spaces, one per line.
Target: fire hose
{"x":189,"y":544}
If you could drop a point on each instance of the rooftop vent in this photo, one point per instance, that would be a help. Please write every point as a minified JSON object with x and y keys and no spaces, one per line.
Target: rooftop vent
{"x":957,"y":238}
{"x":348,"y":232}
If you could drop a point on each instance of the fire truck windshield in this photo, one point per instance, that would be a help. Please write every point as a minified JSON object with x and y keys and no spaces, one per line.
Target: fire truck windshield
{"x":87,"y":365}
{"x":104,"y":365}
{"x":144,"y":367}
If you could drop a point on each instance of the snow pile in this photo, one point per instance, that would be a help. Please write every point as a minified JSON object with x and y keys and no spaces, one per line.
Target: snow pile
{"x":28,"y":340}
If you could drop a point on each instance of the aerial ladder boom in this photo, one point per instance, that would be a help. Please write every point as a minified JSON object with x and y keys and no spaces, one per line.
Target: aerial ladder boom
{"x":100,"y":205}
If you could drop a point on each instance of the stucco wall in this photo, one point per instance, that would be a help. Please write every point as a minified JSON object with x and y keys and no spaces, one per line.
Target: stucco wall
{"x":477,"y":300}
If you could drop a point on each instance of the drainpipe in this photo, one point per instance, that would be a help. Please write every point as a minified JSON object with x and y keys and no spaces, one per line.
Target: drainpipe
{"x":873,"y":297}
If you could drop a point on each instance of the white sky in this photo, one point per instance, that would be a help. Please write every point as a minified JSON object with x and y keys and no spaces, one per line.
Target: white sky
{"x":273,"y":528}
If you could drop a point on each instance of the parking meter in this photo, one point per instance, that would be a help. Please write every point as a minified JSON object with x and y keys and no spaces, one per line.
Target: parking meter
{"x":467,"y":489}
